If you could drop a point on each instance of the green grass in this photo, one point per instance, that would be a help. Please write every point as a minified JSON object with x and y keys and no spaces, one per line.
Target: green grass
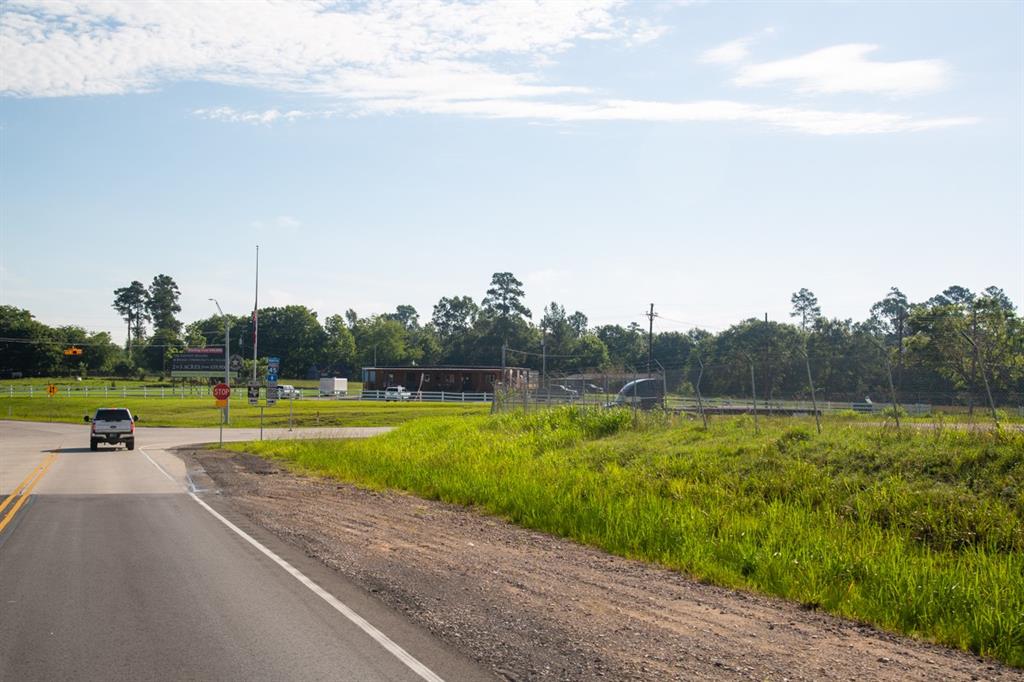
{"x":917,"y":532}
{"x":203,"y":411}
{"x":40,"y":383}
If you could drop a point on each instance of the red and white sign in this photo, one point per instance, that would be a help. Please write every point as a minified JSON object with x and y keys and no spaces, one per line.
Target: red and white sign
{"x":221,"y":391}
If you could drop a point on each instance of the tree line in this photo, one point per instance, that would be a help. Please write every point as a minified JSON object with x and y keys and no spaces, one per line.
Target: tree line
{"x":948,"y":346}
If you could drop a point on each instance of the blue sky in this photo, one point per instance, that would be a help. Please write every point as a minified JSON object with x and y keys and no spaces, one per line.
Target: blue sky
{"x":709,"y":157}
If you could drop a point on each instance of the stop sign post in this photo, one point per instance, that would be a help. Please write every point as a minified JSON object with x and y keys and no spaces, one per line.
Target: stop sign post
{"x":222,"y":392}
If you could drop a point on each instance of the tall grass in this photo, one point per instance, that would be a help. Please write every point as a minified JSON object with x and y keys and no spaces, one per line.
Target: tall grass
{"x":916,"y":532}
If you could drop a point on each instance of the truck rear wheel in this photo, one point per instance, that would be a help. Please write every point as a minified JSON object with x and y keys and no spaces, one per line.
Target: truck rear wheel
{"x":130,"y":444}
{"x":93,"y":445}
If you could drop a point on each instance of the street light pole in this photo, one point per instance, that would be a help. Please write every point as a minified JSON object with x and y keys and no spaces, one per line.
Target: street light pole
{"x":227,"y":359}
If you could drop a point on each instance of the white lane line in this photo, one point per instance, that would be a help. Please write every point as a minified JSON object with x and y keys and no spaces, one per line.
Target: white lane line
{"x":153,"y":461}
{"x":397,"y":651}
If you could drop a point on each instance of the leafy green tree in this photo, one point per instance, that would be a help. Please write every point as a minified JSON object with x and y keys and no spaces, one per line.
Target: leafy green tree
{"x":162,"y":304}
{"x":293,"y":334}
{"x":890,"y":316}
{"x":382,"y":341}
{"x":339,"y":347}
{"x":578,"y":323}
{"x":455,"y":315}
{"x":407,"y":316}
{"x":504,"y":319}
{"x":672,"y":350}
{"x":968,"y":340}
{"x":626,"y":347}
{"x":504,"y":298}
{"x":805,"y":307}
{"x":27,"y":346}
{"x":132,"y":304}
{"x":454,"y":322}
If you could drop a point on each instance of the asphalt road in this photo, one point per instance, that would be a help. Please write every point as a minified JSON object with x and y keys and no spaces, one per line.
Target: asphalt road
{"x":113,"y":569}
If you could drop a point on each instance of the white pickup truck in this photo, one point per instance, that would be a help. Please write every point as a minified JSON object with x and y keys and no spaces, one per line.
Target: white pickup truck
{"x":112,"y":425}
{"x":396,"y":393}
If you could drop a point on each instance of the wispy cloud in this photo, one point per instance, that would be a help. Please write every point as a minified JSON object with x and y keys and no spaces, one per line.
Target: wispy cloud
{"x":58,"y":49}
{"x":727,"y":53}
{"x":812,"y":121}
{"x":734,"y":51}
{"x":484,"y":59}
{"x":846,"y":68}
{"x":265,"y":117}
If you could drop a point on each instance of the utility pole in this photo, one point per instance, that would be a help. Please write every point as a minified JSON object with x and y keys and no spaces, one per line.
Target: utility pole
{"x":256,"y":315}
{"x":650,"y":340}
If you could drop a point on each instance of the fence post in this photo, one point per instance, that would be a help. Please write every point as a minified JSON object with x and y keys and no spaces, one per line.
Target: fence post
{"x":700,"y":401}
{"x":753,"y":395}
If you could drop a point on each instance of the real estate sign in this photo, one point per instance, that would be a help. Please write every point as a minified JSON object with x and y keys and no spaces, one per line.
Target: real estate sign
{"x":199,"y":362}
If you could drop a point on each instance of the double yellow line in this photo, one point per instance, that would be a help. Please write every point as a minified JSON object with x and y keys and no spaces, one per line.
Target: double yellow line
{"x":20,"y":494}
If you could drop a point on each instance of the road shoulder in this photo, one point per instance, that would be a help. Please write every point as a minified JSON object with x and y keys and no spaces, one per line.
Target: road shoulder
{"x":531,"y":606}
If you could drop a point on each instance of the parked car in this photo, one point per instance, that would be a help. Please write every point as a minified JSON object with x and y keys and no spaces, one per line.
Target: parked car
{"x":646,"y":394}
{"x":396,"y":393}
{"x":112,"y":425}
{"x":288,"y":392}
{"x":570,"y":393}
{"x":557,"y":393}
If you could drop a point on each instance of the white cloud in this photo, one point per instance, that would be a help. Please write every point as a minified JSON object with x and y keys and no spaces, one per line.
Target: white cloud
{"x":54,"y":49}
{"x":287,"y":222}
{"x":483,"y":59}
{"x":727,"y":53}
{"x":232,"y":115}
{"x":811,"y":121}
{"x":845,"y":68}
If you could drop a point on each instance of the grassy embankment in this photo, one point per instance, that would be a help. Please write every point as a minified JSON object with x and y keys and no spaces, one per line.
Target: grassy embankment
{"x":203,"y":411}
{"x":919,"y":532}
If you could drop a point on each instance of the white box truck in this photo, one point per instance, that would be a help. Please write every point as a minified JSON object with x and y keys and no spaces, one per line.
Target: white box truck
{"x":333,"y":387}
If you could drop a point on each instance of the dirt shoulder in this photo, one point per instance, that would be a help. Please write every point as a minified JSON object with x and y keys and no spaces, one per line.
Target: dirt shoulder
{"x":535,"y":607}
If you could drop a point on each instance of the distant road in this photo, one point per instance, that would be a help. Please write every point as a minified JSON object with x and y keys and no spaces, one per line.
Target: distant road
{"x":111,"y":569}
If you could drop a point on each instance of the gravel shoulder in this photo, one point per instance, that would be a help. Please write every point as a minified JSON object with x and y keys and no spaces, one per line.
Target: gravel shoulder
{"x":535,"y":607}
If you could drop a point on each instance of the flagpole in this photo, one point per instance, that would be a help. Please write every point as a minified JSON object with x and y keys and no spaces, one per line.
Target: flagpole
{"x":256,"y":314}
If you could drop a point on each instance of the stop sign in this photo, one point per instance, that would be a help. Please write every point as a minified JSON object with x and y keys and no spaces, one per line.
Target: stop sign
{"x":221,"y":391}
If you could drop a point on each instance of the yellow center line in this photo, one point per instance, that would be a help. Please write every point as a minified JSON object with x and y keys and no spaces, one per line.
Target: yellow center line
{"x":39,"y":473}
{"x":14,"y":493}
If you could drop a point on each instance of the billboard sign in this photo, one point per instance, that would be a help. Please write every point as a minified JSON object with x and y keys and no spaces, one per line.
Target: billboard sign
{"x":199,"y":362}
